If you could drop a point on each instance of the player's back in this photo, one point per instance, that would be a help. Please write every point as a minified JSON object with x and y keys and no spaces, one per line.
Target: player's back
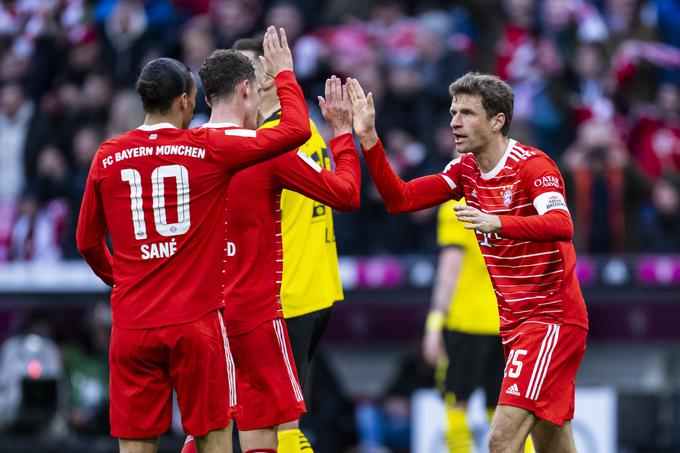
{"x":163,"y":193}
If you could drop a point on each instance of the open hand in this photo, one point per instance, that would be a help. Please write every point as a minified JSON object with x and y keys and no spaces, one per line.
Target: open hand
{"x":477,"y":220}
{"x":336,"y":107}
{"x":363,"y":113}
{"x":277,"y":54}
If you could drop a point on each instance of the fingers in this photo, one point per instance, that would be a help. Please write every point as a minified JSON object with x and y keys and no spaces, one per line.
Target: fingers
{"x":337,"y":89}
{"x":322,"y":105}
{"x":328,"y":90}
{"x":345,"y":96}
{"x":284,"y":38}
{"x":369,"y":100}
{"x":358,"y":90}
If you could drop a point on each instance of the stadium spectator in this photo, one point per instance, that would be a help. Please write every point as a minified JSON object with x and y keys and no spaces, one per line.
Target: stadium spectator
{"x":660,"y":218}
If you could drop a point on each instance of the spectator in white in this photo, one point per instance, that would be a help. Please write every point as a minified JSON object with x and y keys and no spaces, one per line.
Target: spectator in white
{"x":15,"y":117}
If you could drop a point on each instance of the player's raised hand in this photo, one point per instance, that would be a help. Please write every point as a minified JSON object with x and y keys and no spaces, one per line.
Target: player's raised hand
{"x":363,"y":113}
{"x":477,"y":220}
{"x":277,"y":55}
{"x":336,"y":108}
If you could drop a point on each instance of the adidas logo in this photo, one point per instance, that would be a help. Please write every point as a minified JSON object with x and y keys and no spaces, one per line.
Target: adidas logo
{"x":513,"y":390}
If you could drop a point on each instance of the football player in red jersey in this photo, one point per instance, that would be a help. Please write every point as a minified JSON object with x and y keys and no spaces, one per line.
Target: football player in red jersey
{"x":160,"y":192}
{"x":267,"y":383}
{"x":516,"y":205}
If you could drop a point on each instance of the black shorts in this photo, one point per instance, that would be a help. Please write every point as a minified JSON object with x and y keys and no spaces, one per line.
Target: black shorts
{"x":304,"y":333}
{"x":474,"y":361}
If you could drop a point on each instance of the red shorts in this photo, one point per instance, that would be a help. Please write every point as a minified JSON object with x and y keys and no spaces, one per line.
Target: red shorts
{"x":267,"y":384}
{"x":541,"y":363}
{"x":147,"y":364}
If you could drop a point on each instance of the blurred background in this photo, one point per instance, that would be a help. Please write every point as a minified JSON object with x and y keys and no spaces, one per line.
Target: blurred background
{"x":596,"y":86}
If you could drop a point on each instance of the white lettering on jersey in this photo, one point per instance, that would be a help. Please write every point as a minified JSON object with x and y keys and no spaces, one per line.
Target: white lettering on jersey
{"x":159,"y":250}
{"x":548,"y":201}
{"x":231,"y":249}
{"x":547,"y":181}
{"x":309,"y":161}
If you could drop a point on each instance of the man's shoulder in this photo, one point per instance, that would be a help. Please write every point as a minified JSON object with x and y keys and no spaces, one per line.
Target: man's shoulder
{"x":527,"y":158}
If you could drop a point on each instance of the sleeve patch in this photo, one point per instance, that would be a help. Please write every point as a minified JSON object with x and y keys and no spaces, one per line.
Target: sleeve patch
{"x":241,"y":132}
{"x":547,"y":181}
{"x":548,"y":201}
{"x":309,"y":161}
{"x":449,"y":181}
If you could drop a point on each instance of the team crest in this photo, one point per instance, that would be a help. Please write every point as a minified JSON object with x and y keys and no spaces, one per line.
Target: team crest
{"x":507,"y":197}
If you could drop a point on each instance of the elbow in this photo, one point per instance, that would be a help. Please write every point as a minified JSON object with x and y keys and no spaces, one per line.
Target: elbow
{"x":350,"y":202}
{"x":396,"y":209}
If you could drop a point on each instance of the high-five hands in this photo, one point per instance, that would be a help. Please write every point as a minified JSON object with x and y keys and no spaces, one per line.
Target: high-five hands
{"x":336,"y":107}
{"x":477,"y":220}
{"x":277,"y":55}
{"x":363,"y":113}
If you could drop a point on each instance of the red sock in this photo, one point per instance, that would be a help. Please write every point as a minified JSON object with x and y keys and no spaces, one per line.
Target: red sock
{"x":189,"y":446}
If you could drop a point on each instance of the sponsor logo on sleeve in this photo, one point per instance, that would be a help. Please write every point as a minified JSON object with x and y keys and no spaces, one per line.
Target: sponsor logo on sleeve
{"x":547,"y":181}
{"x":309,"y":161}
{"x":554,"y":202}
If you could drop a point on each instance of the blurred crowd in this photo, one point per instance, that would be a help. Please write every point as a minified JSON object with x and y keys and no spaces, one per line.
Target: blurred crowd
{"x":597,"y":86}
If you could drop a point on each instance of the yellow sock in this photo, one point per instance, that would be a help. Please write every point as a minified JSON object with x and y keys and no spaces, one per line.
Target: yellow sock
{"x":305,"y":446}
{"x":458,"y":435}
{"x":289,"y":441}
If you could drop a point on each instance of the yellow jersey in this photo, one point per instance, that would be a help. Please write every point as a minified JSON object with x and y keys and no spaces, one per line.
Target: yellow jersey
{"x":473,"y":308}
{"x":311,"y":277}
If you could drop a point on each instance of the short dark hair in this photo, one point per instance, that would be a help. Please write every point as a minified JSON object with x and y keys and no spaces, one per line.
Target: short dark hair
{"x":222,"y":71}
{"x":250,"y":45}
{"x":161,"y":81}
{"x":497,"y":96}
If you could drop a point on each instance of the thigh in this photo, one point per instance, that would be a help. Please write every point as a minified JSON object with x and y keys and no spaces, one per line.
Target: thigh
{"x":267,"y":386}
{"x":549,"y":438}
{"x":494,"y":362}
{"x":203,"y":374}
{"x":542,"y":362}
{"x":140,"y":385}
{"x":300,"y":334}
{"x":462,"y":366}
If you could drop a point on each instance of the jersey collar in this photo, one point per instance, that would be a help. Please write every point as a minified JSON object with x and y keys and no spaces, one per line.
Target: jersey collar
{"x":155,"y":127}
{"x":501,"y":163}
{"x":219,"y":125}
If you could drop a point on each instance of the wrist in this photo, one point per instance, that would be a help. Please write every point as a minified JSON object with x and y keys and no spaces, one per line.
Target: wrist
{"x":368,"y":139}
{"x":337,"y":132}
{"x":435,"y":321}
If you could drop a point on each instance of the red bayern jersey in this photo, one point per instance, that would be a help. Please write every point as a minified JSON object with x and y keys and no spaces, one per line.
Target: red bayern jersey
{"x":255,"y":263}
{"x":161,"y":194}
{"x":532,"y":260}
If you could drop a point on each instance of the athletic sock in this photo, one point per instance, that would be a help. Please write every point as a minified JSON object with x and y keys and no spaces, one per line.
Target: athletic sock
{"x":305,"y":446}
{"x":289,"y":440}
{"x":529,"y":445}
{"x":458,"y":435}
{"x":189,"y":445}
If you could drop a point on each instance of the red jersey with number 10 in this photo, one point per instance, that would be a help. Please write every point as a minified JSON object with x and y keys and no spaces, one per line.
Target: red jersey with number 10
{"x":532,"y":260}
{"x":161,"y":192}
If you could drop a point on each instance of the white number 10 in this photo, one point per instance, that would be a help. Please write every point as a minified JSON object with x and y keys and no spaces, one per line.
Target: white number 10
{"x":181,"y":175}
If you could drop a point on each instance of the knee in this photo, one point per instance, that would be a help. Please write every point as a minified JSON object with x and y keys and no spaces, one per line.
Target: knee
{"x":497,"y":441}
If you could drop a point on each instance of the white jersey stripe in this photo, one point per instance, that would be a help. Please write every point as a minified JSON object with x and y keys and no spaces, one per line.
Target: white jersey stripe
{"x":524,"y":265}
{"x":449,"y":181}
{"x":521,"y":256}
{"x":539,"y":358}
{"x":531,"y":284}
{"x":524,"y":276}
{"x":231,"y":369}
{"x":525,"y":298}
{"x":547,"y":366}
{"x":510,"y":209}
{"x":284,"y":350}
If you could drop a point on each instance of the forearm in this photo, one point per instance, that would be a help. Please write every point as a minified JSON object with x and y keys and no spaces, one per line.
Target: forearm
{"x":554,"y":225}
{"x":345,"y":183}
{"x":400,"y":196}
{"x":99,"y":259}
{"x":294,"y":114}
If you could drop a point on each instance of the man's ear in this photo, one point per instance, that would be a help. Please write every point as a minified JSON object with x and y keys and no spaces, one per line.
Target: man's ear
{"x":207,"y":101}
{"x":244,"y":87}
{"x":183,"y":101}
{"x":499,"y":122}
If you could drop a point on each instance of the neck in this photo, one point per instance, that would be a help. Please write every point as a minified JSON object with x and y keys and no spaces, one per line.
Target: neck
{"x":491,"y":153}
{"x":152,"y":118}
{"x":269,"y":104}
{"x":223,"y":112}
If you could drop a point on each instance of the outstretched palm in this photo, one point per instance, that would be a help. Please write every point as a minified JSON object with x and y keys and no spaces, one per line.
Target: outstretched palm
{"x":363,"y":109}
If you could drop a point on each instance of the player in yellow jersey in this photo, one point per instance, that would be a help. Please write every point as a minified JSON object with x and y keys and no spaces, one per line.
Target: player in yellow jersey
{"x":311,"y":278}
